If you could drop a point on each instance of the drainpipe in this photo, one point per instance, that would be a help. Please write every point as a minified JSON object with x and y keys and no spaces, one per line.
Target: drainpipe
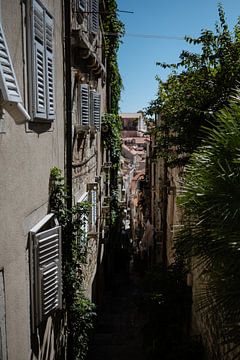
{"x":67,"y":251}
{"x":68,"y":99}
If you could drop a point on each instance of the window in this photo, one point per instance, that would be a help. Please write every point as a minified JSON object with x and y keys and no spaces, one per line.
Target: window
{"x":96,"y":109}
{"x":12,"y":100}
{"x":90,"y":107}
{"x":42,"y":68}
{"x":45,"y":267}
{"x":3,"y":342}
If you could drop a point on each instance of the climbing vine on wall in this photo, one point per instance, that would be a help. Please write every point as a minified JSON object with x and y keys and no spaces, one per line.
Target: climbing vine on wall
{"x":80,"y":311}
{"x":114,"y":30}
{"x":112,"y":143}
{"x":112,"y":137}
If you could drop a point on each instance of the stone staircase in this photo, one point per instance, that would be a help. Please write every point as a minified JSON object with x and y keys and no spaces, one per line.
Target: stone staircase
{"x":119,"y":331}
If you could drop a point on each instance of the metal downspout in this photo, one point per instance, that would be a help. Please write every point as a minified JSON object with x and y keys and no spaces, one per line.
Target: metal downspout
{"x":68,"y":91}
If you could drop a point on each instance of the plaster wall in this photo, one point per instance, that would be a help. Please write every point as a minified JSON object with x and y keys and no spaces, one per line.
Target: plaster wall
{"x":26,"y":158}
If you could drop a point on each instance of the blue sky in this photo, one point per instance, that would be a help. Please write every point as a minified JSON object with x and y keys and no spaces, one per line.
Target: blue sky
{"x":172,"y":18}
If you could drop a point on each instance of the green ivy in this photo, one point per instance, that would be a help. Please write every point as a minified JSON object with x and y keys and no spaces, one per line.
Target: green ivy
{"x":80,"y":311}
{"x":114,"y":30}
{"x":112,"y":137}
{"x":112,"y":143}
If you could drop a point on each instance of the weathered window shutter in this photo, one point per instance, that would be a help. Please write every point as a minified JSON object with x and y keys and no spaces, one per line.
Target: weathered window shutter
{"x":81,"y":5}
{"x":43,"y":103}
{"x":92,"y":198}
{"x":94,"y":16}
{"x":49,"y":66}
{"x":46,"y":272}
{"x":94,"y":207}
{"x":96,"y":109}
{"x":8,"y":85}
{"x":84,"y":220}
{"x":84,"y":104}
{"x":39,"y":81}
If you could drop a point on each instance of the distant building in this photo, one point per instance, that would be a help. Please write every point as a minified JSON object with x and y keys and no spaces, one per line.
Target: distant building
{"x":134,"y":124}
{"x":135,"y":144}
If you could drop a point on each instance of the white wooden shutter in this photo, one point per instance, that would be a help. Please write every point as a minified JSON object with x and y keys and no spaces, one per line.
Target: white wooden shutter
{"x":49,"y":66}
{"x":96,"y":109}
{"x":8,"y":81}
{"x":94,"y":207}
{"x":47,"y":272}
{"x":92,"y":198}
{"x":39,"y":71}
{"x":84,"y":104}
{"x":8,"y":84}
{"x":94,"y":16}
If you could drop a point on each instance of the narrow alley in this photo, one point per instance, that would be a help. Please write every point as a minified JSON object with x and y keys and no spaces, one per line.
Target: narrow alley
{"x":119,"y":331}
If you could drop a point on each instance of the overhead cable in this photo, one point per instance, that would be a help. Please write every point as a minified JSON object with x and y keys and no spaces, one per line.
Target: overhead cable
{"x":147,"y":36}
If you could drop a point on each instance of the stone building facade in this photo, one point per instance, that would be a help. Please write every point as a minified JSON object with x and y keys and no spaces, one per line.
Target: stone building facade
{"x":34,"y":137}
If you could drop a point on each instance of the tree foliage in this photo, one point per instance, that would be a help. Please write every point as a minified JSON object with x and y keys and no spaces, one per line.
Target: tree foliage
{"x":199,"y":85}
{"x":211,"y":201}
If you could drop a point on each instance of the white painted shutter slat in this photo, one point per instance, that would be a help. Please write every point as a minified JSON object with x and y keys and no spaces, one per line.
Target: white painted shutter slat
{"x":94,"y":16}
{"x":84,"y":104}
{"x":8,"y":81}
{"x":49,"y":66}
